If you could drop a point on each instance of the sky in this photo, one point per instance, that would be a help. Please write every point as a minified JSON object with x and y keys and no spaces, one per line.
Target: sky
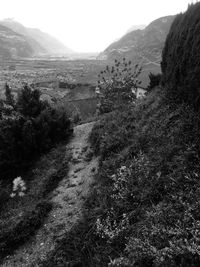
{"x":88,"y":25}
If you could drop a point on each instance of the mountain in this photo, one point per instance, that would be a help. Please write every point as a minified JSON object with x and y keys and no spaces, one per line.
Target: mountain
{"x":40,"y":42}
{"x":51,"y":44}
{"x":22,"y":30}
{"x":145,"y":45}
{"x":13,"y":45}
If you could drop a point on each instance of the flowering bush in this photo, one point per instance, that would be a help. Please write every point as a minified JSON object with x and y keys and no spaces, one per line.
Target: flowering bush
{"x":117,"y":85}
{"x":19,"y":187}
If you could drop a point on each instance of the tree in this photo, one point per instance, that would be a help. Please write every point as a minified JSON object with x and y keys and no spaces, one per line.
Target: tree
{"x":154,"y":80}
{"x":181,"y":58}
{"x":117,"y":85}
{"x":9,"y":96}
{"x":29,"y":103}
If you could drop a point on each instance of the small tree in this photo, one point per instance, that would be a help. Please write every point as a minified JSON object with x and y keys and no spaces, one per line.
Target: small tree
{"x":9,"y":96}
{"x":154,"y":80}
{"x":29,"y":103}
{"x":117,"y":85}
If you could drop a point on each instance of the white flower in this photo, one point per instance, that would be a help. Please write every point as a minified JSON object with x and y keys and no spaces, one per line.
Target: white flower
{"x":18,"y":187}
{"x":21,"y":194}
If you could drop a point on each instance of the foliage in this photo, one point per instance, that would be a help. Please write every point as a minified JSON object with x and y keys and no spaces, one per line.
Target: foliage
{"x":117,"y":85}
{"x":155,"y":80}
{"x":29,"y":103}
{"x":9,"y":96}
{"x":28,"y":130}
{"x":19,"y":187}
{"x":181,"y":59}
{"x":25,"y":226}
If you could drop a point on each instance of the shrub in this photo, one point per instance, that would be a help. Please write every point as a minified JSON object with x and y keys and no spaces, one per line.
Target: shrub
{"x":29,"y":103}
{"x":155,"y":80}
{"x":9,"y":96}
{"x":117,"y":85}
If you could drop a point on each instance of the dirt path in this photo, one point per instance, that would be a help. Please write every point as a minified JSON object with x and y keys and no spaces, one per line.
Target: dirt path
{"x":67,"y":200}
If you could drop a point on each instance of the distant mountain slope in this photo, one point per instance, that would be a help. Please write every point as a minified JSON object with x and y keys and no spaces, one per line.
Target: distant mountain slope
{"x":51,"y":44}
{"x":41,"y":43}
{"x":143,"y":44}
{"x":13,"y":45}
{"x":19,"y":28}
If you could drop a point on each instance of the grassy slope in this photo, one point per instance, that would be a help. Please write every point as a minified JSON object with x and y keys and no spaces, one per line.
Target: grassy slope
{"x":20,"y":217}
{"x":149,"y":211}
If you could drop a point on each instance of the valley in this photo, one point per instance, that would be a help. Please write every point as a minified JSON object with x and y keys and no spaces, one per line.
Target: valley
{"x":68,"y":83}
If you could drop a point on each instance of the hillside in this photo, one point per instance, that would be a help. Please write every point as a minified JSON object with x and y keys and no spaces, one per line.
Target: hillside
{"x":13,"y":44}
{"x":67,"y":198}
{"x":40,"y":42}
{"x":142,"y":45}
{"x":143,"y":210}
{"x":50,"y":43}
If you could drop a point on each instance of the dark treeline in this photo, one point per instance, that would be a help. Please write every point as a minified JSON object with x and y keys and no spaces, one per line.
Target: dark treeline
{"x":181,"y":57}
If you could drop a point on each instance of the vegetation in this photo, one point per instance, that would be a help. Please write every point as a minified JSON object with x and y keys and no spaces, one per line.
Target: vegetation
{"x":117,"y":85}
{"x":181,"y":59}
{"x":28,"y":127}
{"x":144,"y":208}
{"x":154,"y":80}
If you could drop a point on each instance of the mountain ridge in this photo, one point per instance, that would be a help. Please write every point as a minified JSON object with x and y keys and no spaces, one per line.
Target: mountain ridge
{"x":40,"y":42}
{"x":141,"y":44}
{"x":13,"y":45}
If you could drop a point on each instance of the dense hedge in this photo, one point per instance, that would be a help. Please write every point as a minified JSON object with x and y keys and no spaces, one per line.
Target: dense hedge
{"x":181,"y":57}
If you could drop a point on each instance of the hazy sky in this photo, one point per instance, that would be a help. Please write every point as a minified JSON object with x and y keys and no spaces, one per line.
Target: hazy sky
{"x":88,"y":25}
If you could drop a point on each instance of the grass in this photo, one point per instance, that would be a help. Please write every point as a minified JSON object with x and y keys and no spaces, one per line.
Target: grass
{"x":16,"y":230}
{"x":21,"y":217}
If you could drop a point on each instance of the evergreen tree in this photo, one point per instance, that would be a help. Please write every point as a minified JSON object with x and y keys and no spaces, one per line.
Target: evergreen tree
{"x":29,"y":103}
{"x":181,"y":57}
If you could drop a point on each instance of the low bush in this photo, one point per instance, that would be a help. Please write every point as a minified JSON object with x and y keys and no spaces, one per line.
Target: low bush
{"x":117,"y":85}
